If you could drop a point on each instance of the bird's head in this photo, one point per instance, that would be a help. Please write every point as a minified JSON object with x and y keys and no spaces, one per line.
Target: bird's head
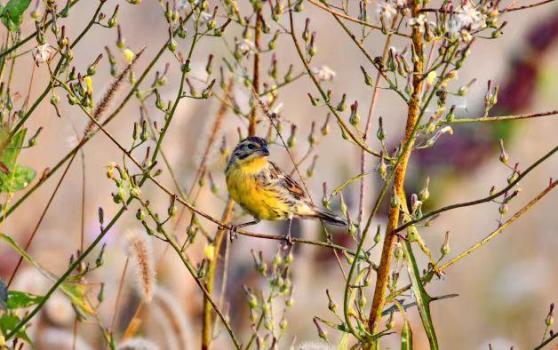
{"x":249,"y":149}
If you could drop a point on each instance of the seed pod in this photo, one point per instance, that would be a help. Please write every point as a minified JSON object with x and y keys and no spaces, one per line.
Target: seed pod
{"x":355,"y":117}
{"x":445,"y":249}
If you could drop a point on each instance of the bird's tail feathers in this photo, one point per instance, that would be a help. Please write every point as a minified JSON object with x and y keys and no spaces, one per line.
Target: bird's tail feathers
{"x":329,"y":217}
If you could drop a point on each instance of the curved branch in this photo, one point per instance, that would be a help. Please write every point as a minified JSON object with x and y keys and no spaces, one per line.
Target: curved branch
{"x":503,"y":118}
{"x":482,"y":200}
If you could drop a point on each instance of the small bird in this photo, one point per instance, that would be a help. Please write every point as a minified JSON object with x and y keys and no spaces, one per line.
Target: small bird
{"x":264,"y":191}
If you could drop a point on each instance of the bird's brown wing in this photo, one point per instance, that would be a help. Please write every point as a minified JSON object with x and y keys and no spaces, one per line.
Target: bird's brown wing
{"x":287,"y":182}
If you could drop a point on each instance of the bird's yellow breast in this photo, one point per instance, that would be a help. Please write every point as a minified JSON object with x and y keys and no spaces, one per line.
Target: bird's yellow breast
{"x":259,"y":200}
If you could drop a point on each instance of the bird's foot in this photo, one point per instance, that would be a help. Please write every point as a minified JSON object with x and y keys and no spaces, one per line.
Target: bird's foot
{"x":232,"y":232}
{"x":287,"y":242}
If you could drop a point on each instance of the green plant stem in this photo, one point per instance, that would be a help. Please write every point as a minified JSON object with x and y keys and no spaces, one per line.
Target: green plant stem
{"x":502,"y":118}
{"x":32,"y":35}
{"x":342,"y":124}
{"x":326,"y":8}
{"x":85,"y":139}
{"x":115,"y":218}
{"x":546,"y":342}
{"x":501,"y":228}
{"x":501,"y":192}
{"x":59,"y":66}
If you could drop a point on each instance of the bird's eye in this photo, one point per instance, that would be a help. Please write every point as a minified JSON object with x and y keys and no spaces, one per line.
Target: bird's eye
{"x":251,"y":146}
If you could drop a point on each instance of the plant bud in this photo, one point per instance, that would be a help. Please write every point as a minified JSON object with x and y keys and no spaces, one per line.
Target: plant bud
{"x":367,"y":78}
{"x":380,"y":133}
{"x":362,"y":301}
{"x":355,"y":117}
{"x":445,"y":249}
{"x":391,"y":322}
{"x":503,"y":209}
{"x":140,"y":214}
{"x":291,"y":141}
{"x":321,"y":332}
{"x":504,"y":158}
{"x":378,"y":235}
{"x":325,"y":128}
{"x":342,"y":105}
{"x":398,"y":253}
{"x":549,"y":321}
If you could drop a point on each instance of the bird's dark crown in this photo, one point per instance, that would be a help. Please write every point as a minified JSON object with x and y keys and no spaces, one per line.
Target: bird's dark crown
{"x":250,"y":147}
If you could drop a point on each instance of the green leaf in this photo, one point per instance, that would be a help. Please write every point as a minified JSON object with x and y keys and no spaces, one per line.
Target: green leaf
{"x":8,"y":323}
{"x":74,"y":291}
{"x":406,"y":337}
{"x":17,"y":177}
{"x":13,"y":147}
{"x":12,"y":13}
{"x":421,"y":296}
{"x":3,"y":296}
{"x":18,"y":299}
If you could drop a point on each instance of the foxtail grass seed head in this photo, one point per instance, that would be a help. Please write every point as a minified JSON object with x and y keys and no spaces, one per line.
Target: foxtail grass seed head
{"x":168,"y":307}
{"x":314,"y":345}
{"x":140,"y":250}
{"x":137,"y":344}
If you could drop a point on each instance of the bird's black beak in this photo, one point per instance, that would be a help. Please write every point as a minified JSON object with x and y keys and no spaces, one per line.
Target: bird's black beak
{"x":264,"y":151}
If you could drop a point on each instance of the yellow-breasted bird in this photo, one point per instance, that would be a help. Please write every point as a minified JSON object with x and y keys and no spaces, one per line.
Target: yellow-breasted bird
{"x":264,"y":191}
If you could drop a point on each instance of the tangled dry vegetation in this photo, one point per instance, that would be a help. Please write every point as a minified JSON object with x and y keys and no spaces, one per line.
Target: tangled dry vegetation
{"x":385,"y":267}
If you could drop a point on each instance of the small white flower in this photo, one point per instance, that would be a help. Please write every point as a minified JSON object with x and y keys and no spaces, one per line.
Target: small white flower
{"x":181,"y":4}
{"x":185,"y":4}
{"x":385,"y":10}
{"x":246,"y":46}
{"x":205,"y":17}
{"x":277,"y":108}
{"x":324,"y":73}
{"x":401,"y":3}
{"x":432,"y":140}
{"x":138,"y":344}
{"x":43,"y":53}
{"x":466,"y":17}
{"x":419,"y":21}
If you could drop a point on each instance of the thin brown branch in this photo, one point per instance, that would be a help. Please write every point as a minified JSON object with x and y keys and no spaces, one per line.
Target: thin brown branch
{"x":502,"y":227}
{"x":256,"y":74}
{"x":529,"y":6}
{"x":371,"y":109}
{"x":41,"y":218}
{"x":352,"y":19}
{"x":481,"y":200}
{"x":413,"y":116}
